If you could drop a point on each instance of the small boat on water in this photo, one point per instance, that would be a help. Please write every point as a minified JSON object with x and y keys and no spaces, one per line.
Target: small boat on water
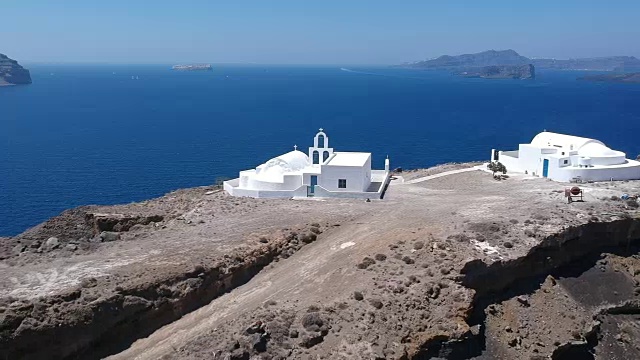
{"x":193,"y":67}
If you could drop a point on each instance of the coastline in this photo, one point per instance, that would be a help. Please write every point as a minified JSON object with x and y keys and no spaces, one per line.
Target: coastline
{"x":154,"y":152}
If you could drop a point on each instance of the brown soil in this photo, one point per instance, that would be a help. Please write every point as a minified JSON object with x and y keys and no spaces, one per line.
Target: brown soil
{"x":411,"y":174}
{"x":200,"y":274}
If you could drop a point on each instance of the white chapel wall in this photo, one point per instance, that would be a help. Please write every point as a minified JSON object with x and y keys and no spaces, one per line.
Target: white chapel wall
{"x":289,"y":182}
{"x":355,"y":177}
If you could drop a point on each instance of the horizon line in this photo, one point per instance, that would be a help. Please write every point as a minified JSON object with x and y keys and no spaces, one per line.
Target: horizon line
{"x":24,"y":62}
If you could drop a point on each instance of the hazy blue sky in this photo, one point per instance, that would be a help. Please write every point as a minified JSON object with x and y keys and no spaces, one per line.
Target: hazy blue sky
{"x":327,"y":31}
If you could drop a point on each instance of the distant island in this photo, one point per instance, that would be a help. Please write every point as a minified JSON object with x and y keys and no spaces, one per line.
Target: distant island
{"x":630,"y":78}
{"x":11,"y":73}
{"x":194,"y":67}
{"x":475,"y":63}
{"x":522,"y":72}
{"x":609,"y":63}
{"x":485,"y":58}
{"x":491,"y":64}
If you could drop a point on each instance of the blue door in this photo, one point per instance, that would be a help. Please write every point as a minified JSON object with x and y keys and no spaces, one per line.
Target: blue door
{"x":545,"y":168}
{"x":314,"y":182}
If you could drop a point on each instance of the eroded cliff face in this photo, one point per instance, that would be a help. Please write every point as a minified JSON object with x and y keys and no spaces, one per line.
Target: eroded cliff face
{"x":527,"y":289}
{"x":568,"y":245}
{"x":91,"y":322}
{"x":572,"y":296}
{"x":11,"y":73}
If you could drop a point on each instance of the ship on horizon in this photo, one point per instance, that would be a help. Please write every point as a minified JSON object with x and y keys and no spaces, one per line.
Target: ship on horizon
{"x":192,"y":67}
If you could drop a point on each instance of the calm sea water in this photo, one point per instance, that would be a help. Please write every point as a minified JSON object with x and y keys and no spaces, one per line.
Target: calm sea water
{"x":93,"y":135}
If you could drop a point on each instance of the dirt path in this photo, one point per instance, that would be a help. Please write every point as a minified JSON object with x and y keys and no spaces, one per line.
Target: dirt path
{"x":320,"y":271}
{"x":435,"y":176}
{"x":411,"y":174}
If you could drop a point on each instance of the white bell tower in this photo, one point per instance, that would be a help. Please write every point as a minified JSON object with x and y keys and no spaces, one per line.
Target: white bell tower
{"x":320,"y":151}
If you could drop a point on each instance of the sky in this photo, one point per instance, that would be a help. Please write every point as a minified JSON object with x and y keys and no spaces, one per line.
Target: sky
{"x":311,"y":31}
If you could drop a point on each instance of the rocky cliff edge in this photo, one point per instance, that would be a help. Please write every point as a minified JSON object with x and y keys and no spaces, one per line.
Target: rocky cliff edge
{"x":12,"y":73}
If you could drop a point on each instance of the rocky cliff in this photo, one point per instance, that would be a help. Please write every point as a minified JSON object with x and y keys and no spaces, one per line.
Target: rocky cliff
{"x":11,"y":73}
{"x":526,"y":71}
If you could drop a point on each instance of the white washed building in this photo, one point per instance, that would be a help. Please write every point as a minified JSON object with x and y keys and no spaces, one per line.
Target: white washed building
{"x":565,"y":158}
{"x":320,"y":173}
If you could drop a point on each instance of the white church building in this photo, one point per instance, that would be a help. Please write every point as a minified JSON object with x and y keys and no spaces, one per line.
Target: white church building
{"x":565,"y":158}
{"x":322,"y":172}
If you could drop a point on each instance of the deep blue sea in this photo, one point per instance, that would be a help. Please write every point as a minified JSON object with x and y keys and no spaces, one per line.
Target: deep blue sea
{"x":85,"y":134}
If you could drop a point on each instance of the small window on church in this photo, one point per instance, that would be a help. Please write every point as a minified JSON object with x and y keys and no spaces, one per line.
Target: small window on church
{"x":316,"y":157}
{"x":342,"y":183}
{"x":566,"y":162}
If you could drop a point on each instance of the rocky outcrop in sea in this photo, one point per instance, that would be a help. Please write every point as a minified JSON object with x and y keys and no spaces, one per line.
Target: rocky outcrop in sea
{"x":12,"y":73}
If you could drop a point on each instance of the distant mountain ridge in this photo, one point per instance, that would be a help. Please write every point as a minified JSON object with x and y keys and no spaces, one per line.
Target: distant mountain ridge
{"x":608,"y":63}
{"x":11,"y":73}
{"x":485,"y":58}
{"x":511,"y":57}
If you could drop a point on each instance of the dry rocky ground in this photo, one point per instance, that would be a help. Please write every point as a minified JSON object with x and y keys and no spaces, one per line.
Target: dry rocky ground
{"x":460,"y":266}
{"x":412,"y":174}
